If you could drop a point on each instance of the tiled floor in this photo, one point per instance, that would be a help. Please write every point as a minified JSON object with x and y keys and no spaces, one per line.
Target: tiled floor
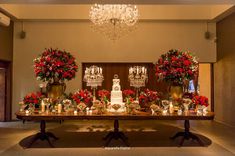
{"x":145,"y":138}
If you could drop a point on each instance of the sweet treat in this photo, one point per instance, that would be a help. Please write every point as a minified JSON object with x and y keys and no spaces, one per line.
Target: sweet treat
{"x":116,"y":95}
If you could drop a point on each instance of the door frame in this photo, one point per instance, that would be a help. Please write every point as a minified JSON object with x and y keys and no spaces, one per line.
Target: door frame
{"x":8,"y":91}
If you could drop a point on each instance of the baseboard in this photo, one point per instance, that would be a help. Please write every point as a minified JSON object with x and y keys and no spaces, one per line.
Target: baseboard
{"x":224,"y":123}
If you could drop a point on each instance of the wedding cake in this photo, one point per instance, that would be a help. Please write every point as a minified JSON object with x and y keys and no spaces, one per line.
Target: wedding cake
{"x":116,"y":96}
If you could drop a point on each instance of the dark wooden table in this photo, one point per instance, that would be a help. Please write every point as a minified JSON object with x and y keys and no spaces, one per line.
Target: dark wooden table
{"x":115,"y":134}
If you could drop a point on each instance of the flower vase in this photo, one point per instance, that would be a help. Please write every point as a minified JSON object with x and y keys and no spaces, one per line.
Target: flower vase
{"x":176,"y":92}
{"x":55,"y":90}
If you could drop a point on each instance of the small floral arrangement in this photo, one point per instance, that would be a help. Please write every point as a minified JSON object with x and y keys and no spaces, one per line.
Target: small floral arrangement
{"x":176,"y":67}
{"x":33,"y":99}
{"x":155,"y":108}
{"x":148,"y":96}
{"x":104,"y":95}
{"x":200,"y":100}
{"x":132,"y":107}
{"x":128,"y":95}
{"x":99,"y":107}
{"x":84,"y":96}
{"x":55,"y":64}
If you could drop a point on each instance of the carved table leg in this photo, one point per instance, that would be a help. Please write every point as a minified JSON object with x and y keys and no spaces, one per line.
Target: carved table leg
{"x":116,"y":134}
{"x":187,"y":134}
{"x":43,"y":135}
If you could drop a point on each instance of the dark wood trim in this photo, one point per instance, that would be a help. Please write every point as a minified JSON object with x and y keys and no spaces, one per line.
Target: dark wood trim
{"x":212,"y":87}
{"x":122,"y":69}
{"x":112,"y":116}
{"x":8,"y":116}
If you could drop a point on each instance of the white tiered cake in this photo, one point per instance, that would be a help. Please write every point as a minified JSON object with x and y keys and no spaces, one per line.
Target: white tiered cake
{"x":116,"y":96}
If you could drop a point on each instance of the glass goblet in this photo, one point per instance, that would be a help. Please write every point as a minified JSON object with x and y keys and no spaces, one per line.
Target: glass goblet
{"x":67,"y":104}
{"x":186,"y":103}
{"x":165,"y":104}
{"x":46,"y":101}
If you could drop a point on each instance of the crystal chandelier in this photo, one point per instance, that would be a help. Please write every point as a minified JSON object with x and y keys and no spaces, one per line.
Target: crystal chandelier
{"x":138,"y":77}
{"x":114,"y":20}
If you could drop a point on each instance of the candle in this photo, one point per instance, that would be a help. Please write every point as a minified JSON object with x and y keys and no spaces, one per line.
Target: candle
{"x":27,"y":112}
{"x":100,"y":70}
{"x":171,"y":109}
{"x":75,"y":112}
{"x":90,"y":112}
{"x":143,"y":70}
{"x":179,"y":112}
{"x":43,"y":106}
{"x":87,"y":110}
{"x":164,"y":112}
{"x":59,"y":108}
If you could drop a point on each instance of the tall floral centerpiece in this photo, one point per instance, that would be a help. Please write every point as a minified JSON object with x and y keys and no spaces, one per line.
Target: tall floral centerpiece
{"x":55,"y":66}
{"x":176,"y":68}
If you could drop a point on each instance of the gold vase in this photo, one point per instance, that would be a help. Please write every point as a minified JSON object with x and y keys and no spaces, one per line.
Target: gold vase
{"x":55,"y":90}
{"x":176,"y":92}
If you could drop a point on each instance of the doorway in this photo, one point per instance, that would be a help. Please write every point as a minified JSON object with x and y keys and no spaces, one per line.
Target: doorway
{"x":5,"y":91}
{"x":2,"y":93}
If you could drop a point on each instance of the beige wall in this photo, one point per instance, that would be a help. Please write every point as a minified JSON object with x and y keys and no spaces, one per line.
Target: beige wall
{"x":144,"y":45}
{"x":6,"y":42}
{"x":205,"y":81}
{"x":224,"y":71}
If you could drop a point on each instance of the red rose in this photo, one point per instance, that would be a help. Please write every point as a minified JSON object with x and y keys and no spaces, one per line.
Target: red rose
{"x":187,"y":62}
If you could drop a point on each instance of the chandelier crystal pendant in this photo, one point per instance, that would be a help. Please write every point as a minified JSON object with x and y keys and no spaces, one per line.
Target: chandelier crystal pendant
{"x":114,"y":20}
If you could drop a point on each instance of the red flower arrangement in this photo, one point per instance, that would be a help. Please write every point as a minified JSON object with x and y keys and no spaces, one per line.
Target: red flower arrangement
{"x":84,"y":96}
{"x":128,"y":95}
{"x":200,"y":100}
{"x":54,"y":63}
{"x":33,"y":99}
{"x":104,"y":95}
{"x":176,"y":66}
{"x":148,"y":96}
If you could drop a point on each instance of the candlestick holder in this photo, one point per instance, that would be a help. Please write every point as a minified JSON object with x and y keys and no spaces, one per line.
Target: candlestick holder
{"x":93,"y":77}
{"x":138,"y":77}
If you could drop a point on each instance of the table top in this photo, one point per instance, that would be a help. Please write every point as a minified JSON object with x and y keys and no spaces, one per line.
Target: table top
{"x":113,"y":116}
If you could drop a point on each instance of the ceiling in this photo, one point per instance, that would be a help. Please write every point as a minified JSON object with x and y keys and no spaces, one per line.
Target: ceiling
{"x":28,"y":10}
{"x":118,"y":1}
